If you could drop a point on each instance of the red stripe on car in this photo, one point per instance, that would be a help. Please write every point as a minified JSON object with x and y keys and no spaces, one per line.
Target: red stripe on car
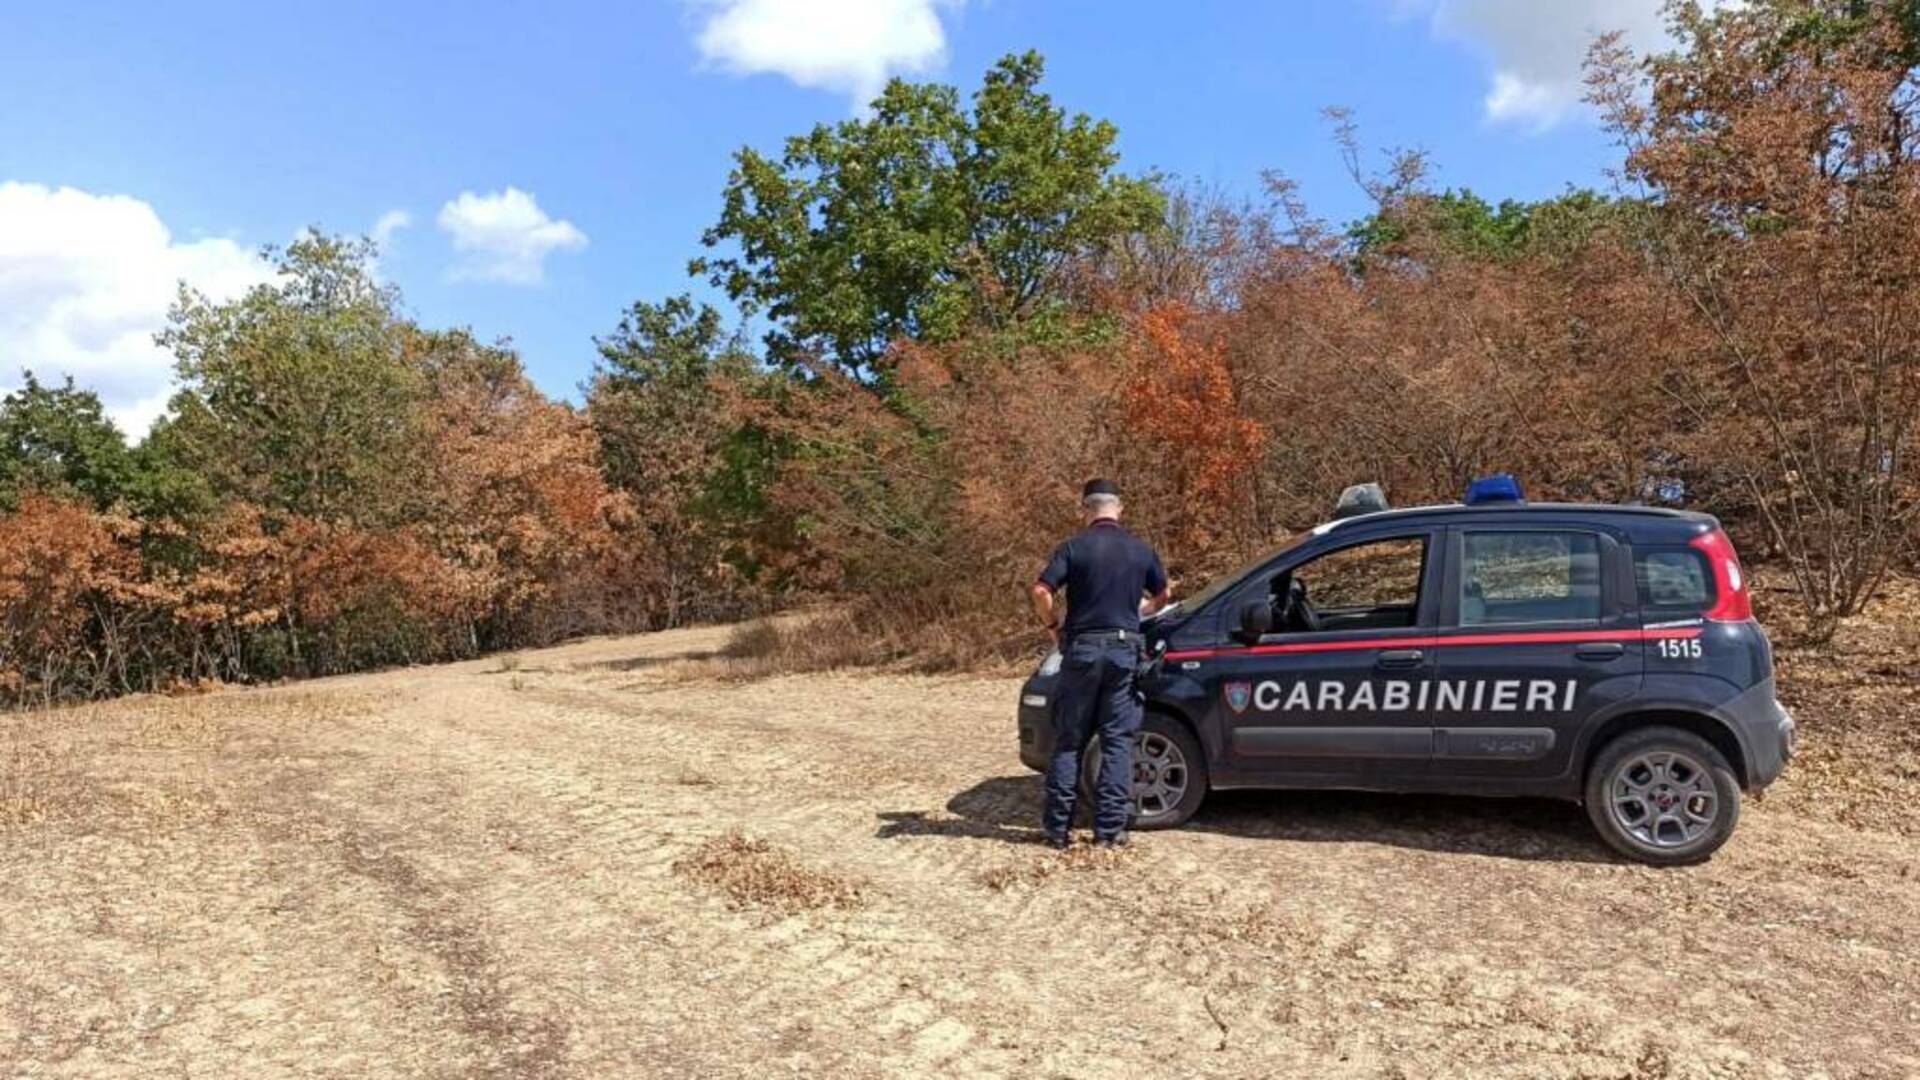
{"x":1543,"y":637}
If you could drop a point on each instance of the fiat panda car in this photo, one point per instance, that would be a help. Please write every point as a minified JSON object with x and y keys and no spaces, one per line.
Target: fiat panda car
{"x":1602,"y":654}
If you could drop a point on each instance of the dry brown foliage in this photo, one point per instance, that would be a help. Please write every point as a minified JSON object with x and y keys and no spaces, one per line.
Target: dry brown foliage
{"x":69,"y":585}
{"x":752,"y":873}
{"x":1781,"y":147}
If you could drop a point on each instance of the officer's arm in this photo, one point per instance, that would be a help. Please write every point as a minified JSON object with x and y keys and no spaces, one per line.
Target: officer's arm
{"x":1159,"y":588}
{"x":1043,"y":607}
{"x":1155,"y":601}
{"x":1051,"y":578}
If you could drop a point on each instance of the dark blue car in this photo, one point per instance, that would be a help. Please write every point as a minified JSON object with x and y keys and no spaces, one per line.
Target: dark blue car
{"x":1603,"y":654}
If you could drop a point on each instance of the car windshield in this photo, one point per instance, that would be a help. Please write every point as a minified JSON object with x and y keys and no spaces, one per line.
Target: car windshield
{"x":1225,"y":581}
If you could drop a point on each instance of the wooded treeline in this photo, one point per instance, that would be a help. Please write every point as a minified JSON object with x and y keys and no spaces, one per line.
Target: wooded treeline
{"x":968,"y":308}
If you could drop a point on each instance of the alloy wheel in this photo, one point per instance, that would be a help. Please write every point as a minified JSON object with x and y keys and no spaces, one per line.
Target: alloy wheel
{"x":1663,"y":798}
{"x":1160,"y":775}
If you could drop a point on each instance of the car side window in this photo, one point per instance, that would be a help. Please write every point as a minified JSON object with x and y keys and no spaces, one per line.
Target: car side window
{"x":1529,"y":577}
{"x":1673,"y":580}
{"x":1385,"y":573}
{"x":1375,"y":584}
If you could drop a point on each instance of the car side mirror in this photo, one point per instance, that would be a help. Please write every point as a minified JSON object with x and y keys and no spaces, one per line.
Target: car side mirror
{"x":1256,"y":621}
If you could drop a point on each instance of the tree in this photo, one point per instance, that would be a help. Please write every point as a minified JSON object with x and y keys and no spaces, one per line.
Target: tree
{"x":58,"y":440}
{"x":1781,"y":143}
{"x":1181,"y":397}
{"x":296,"y":397}
{"x":696,"y":474}
{"x":653,"y":387}
{"x":1420,"y":224}
{"x":519,"y":504}
{"x":68,"y":578}
{"x":921,"y":219}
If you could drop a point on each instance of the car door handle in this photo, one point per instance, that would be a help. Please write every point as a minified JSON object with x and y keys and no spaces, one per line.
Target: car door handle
{"x":1400,"y":658}
{"x":1600,"y":650}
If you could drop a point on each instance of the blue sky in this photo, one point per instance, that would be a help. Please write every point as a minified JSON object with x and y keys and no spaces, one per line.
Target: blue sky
{"x":590,"y":140}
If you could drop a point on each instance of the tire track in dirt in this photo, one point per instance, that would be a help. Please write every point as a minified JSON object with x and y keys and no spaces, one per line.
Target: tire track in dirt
{"x":844,"y":960}
{"x":841,"y":961}
{"x":506,"y":1042}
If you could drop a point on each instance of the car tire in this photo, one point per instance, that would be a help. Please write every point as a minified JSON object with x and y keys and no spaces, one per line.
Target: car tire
{"x":1662,"y":796}
{"x":1166,"y":752}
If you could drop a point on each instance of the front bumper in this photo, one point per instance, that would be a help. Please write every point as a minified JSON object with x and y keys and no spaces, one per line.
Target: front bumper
{"x":1036,"y":727}
{"x":1035,"y":715}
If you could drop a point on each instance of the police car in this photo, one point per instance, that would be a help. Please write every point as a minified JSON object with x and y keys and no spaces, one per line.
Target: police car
{"x":1604,"y":654}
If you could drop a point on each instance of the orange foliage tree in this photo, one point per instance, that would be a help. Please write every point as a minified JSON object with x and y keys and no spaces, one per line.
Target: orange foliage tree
{"x":1181,"y":399}
{"x":70,"y":591}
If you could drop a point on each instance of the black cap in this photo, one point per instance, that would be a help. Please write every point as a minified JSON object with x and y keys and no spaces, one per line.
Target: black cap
{"x":1100,"y":487}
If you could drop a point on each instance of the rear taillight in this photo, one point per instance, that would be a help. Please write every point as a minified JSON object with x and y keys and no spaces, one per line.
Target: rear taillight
{"x":1732,"y":602}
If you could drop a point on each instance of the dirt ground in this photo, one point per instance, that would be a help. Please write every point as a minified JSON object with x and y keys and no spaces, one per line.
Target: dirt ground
{"x":584,"y":862}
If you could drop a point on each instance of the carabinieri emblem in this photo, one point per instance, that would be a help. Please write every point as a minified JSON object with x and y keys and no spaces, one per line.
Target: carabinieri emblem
{"x":1239,"y":695}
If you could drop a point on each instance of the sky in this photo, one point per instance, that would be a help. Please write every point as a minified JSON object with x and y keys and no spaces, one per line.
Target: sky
{"x":532,"y":170}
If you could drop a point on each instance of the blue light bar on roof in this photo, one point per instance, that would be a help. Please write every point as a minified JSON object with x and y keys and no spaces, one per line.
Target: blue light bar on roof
{"x":1498,"y":488}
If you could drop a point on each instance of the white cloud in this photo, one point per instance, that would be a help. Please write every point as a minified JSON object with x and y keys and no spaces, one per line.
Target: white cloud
{"x":848,"y":46}
{"x":1537,"y":47}
{"x":390,"y":222}
{"x":505,"y":236}
{"x":85,"y":283}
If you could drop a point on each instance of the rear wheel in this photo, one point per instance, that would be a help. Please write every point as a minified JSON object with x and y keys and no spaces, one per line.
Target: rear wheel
{"x":1662,"y":796}
{"x":1169,"y":774}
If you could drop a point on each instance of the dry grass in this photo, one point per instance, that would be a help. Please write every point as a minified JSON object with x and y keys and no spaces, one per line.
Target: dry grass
{"x":612,"y":873}
{"x":752,"y":873}
{"x":801,"y":642}
{"x":1029,"y":873}
{"x":25,"y":788}
{"x":869,"y":635}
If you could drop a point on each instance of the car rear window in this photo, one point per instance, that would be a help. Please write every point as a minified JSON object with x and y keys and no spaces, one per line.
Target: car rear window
{"x":1673,"y":579}
{"x":1529,"y":577}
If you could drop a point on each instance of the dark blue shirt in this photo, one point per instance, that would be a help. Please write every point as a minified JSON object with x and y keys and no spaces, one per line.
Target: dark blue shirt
{"x":1105,"y":570}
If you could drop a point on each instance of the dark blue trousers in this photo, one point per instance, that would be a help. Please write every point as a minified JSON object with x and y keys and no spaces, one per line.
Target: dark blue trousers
{"x":1094,"y":696}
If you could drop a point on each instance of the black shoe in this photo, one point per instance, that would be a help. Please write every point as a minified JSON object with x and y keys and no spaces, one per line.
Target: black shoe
{"x":1117,"y":840}
{"x":1059,"y":842}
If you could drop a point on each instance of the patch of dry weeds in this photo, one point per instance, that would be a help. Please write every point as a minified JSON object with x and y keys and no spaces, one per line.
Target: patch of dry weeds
{"x":753,"y":873}
{"x":1037,"y":872}
{"x":796,"y":642}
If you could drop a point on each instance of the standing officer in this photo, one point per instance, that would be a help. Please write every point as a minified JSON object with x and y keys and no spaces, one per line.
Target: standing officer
{"x":1110,"y":576}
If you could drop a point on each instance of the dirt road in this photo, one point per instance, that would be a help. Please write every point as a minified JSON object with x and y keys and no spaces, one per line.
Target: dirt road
{"x":475,"y":871}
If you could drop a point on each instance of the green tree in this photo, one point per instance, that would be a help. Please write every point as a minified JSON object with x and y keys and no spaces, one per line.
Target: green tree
{"x":660,"y":403}
{"x":922,"y":218}
{"x":1418,"y":224}
{"x":58,"y":439}
{"x":298,"y":396}
{"x":653,"y":396}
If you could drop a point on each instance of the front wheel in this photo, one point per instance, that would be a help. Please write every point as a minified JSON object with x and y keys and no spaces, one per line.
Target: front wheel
{"x":1663,"y":796}
{"x":1169,"y":774}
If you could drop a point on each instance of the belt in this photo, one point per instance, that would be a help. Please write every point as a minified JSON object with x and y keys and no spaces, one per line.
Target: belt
{"x":1105,"y":635}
